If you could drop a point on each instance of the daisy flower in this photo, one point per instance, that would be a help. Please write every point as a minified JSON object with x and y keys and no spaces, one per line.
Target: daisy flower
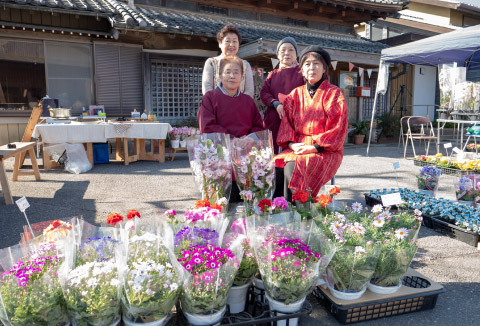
{"x":357,"y":207}
{"x":379,"y":222}
{"x":401,"y":233}
{"x":377,"y":208}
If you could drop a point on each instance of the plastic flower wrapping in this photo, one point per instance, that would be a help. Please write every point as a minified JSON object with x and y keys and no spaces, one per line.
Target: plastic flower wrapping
{"x":448,"y":77}
{"x":151,"y":276}
{"x":53,"y":231}
{"x":396,"y":235}
{"x":252,"y":159}
{"x":467,"y":188}
{"x":30,"y":293}
{"x":210,"y":272}
{"x":275,"y":211}
{"x":290,"y":258}
{"x":211,"y":164}
{"x":353,"y":264}
{"x":89,"y":276}
{"x":466,"y":96}
{"x":428,"y":178}
{"x":304,"y":204}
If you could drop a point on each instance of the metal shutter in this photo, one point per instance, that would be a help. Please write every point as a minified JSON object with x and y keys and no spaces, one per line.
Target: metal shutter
{"x":131,"y":74}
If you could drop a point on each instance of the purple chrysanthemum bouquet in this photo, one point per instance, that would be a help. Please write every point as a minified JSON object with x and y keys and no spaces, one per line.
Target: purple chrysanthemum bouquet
{"x":467,"y":188}
{"x":30,"y":293}
{"x":428,"y":179}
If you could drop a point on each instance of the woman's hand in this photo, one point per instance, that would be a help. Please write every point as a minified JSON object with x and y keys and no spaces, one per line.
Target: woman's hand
{"x":280,"y":111}
{"x":295,"y":146}
{"x":305,"y":149}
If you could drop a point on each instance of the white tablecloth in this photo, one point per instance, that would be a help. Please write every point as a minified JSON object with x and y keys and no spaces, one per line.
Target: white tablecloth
{"x":77,"y":132}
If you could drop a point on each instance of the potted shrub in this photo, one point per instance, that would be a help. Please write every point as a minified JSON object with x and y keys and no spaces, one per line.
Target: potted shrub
{"x":361,"y":129}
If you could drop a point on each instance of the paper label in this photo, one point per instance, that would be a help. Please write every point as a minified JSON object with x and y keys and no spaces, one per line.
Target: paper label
{"x":396,"y":165}
{"x":447,"y":145}
{"x":391,"y":199}
{"x":456,"y":150}
{"x":22,"y":204}
{"x":327,"y":188}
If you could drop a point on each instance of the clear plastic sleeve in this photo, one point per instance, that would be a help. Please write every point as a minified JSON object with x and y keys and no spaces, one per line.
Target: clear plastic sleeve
{"x":211,"y":164}
{"x":253,"y":164}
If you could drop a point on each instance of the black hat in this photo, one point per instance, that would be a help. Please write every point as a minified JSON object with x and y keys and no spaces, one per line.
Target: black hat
{"x":290,"y":40}
{"x":319,"y":50}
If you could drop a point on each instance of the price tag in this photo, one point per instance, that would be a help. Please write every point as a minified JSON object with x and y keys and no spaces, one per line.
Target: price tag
{"x":447,"y":145}
{"x":396,"y":165}
{"x":456,"y":150}
{"x":327,"y":188}
{"x":22,"y":204}
{"x":391,"y":199}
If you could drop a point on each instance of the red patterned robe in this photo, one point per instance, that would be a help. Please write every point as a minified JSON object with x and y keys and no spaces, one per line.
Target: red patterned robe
{"x":322,"y":119}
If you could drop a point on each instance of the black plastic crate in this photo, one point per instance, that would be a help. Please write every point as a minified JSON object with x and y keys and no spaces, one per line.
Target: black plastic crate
{"x":422,"y":163}
{"x":448,"y":171}
{"x":455,"y":232}
{"x":427,"y":221}
{"x":417,"y":294}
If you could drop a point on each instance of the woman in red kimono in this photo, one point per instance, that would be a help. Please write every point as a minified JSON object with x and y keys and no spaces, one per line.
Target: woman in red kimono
{"x":227,"y":110}
{"x":313,"y":129}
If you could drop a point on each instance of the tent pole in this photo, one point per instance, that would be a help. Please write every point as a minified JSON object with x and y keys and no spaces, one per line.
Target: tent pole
{"x":371,"y":119}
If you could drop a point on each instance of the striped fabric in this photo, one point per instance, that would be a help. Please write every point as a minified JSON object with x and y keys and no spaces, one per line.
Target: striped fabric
{"x":322,"y":119}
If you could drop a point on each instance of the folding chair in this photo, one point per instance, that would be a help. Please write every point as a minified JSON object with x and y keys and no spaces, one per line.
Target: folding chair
{"x":425,"y":132}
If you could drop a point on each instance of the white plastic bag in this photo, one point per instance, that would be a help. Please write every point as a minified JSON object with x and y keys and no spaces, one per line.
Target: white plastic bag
{"x":77,"y":159}
{"x":56,"y":152}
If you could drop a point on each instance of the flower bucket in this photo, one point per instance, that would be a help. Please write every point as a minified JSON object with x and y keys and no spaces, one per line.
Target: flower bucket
{"x":281,"y":307}
{"x":210,"y":319}
{"x":183,"y":143}
{"x":175,"y":143}
{"x":383,"y":289}
{"x":346,"y":295}
{"x":160,"y":322}
{"x":430,"y":193}
{"x":237,"y":297}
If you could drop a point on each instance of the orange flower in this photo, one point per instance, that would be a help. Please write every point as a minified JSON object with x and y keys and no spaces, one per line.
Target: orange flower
{"x":335,"y":190}
{"x":216,"y":206}
{"x":202,"y":203}
{"x":300,"y":195}
{"x":114,"y":218}
{"x":324,"y":200}
{"x":132,"y":214}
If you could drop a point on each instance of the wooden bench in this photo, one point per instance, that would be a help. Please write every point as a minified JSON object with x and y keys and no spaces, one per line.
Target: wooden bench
{"x":22,"y":148}
{"x":173,"y":151}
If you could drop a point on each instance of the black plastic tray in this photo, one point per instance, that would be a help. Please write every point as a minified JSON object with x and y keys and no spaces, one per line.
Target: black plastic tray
{"x":455,"y":232}
{"x":413,"y":300}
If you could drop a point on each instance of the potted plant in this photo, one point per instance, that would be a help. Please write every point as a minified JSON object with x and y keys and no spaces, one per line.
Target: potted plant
{"x":361,"y":129}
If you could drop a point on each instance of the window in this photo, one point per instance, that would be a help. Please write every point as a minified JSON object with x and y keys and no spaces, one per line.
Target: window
{"x":69,"y":74}
{"x":176,"y":90}
{"x":295,"y":22}
{"x":213,"y":10}
{"x":22,"y":73}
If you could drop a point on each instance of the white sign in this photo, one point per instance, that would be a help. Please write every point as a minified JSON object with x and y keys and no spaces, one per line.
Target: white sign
{"x":456,"y":150}
{"x":327,"y":188}
{"x":22,"y":204}
{"x":447,"y":145}
{"x":391,"y":199}
{"x":396,"y":165}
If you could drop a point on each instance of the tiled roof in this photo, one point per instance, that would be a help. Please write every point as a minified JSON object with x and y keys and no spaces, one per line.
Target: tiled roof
{"x":191,"y":23}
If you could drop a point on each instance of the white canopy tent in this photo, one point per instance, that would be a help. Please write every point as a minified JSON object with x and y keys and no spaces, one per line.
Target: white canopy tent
{"x":461,"y":46}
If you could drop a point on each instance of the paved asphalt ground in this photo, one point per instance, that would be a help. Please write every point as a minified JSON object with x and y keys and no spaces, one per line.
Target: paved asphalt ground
{"x":151,"y":187}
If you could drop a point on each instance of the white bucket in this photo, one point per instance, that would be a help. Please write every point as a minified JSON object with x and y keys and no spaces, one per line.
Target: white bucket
{"x":384,"y":289}
{"x":175,"y":143}
{"x":346,"y":295}
{"x":200,"y":320}
{"x":183,"y":143}
{"x":281,"y":307}
{"x":159,"y":322}
{"x":237,"y":298}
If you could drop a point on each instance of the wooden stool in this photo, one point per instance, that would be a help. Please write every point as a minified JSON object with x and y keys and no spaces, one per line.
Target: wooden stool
{"x":19,"y":152}
{"x":174,"y":151}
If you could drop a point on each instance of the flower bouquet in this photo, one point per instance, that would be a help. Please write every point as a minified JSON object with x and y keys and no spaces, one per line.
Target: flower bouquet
{"x":289,"y":261}
{"x":211,"y":271}
{"x":303,"y":204}
{"x":30,"y":293}
{"x":396,"y":235}
{"x":211,"y":164}
{"x":89,"y":276}
{"x":276,"y":211}
{"x":152,"y":278}
{"x":252,"y":159}
{"x":428,"y":180}
{"x":353,"y":264}
{"x":465,"y":189}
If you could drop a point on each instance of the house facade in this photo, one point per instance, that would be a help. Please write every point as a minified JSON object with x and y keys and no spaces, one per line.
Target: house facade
{"x":149,"y":54}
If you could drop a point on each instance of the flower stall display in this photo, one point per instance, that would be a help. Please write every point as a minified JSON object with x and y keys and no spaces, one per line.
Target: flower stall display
{"x":174,"y":136}
{"x":396,"y":235}
{"x":89,"y":276}
{"x":211,"y":164}
{"x":428,"y":180}
{"x":439,"y":160}
{"x":30,"y":293}
{"x":252,"y":159}
{"x":467,"y":189}
{"x":353,"y":264}
{"x":151,"y":279}
{"x":210,"y":274}
{"x":290,"y":259}
{"x":56,"y":231}
{"x":186,"y":132}
{"x":304,"y":204}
